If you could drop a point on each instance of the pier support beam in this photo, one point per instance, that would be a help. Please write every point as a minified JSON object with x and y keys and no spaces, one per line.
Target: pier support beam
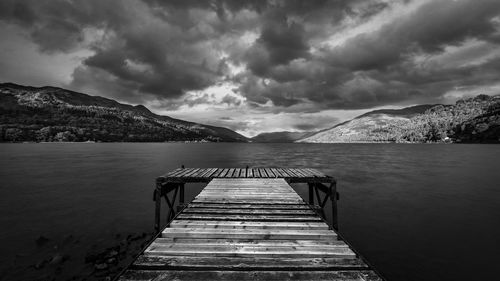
{"x":311,"y":193}
{"x":329,"y":191}
{"x":157,"y":199}
{"x":181,"y":197}
{"x":334,"y":196}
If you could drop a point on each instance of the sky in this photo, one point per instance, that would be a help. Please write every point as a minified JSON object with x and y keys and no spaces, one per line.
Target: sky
{"x":256,"y":66}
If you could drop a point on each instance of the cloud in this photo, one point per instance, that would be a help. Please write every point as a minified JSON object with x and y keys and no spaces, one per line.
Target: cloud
{"x":277,"y":58}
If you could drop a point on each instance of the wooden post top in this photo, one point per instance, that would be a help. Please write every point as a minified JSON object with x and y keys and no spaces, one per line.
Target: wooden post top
{"x":304,"y":175}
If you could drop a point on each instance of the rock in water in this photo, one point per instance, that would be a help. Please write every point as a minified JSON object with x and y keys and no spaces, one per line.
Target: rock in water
{"x":101,"y":266}
{"x":41,"y":240}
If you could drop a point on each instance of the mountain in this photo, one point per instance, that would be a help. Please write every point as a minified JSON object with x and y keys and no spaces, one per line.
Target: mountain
{"x":407,"y":112}
{"x":55,"y":114}
{"x":470,"y":120}
{"x":360,"y":128}
{"x":281,"y":137}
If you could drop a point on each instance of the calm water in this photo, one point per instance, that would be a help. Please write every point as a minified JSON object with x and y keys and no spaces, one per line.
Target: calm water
{"x":416,"y":212}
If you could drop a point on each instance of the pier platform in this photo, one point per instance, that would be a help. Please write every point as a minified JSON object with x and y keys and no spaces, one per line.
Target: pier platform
{"x":248,"y":224}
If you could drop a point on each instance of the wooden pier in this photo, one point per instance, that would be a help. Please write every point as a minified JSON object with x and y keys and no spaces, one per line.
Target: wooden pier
{"x":248,"y":224}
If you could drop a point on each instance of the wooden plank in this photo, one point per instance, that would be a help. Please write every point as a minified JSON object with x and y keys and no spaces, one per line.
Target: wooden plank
{"x":169,"y":174}
{"x":305,"y":173}
{"x":252,"y":242}
{"x":229,"y":173}
{"x":240,"y":190}
{"x":256,"y":173}
{"x":247,"y":201}
{"x":230,"y":241}
{"x":207,"y":172}
{"x":248,"y":191}
{"x":185,"y":171}
{"x":293,"y":173}
{"x":263,"y":173}
{"x":214,"y":172}
{"x":250,"y":206}
{"x":269,"y":203}
{"x":203,"y":172}
{"x":243,"y":195}
{"x":246,"y":198}
{"x":248,"y":211}
{"x":271,"y":275}
{"x":217,"y":172}
{"x":224,"y":173}
{"x":317,"y":173}
{"x":193,"y":171}
{"x":237,"y":173}
{"x":311,"y":172}
{"x":285,"y":172}
{"x":248,"y":217}
{"x":247,"y":263}
{"x":174,"y":249}
{"x":198,"y":173}
{"x":248,"y":233}
{"x":277,"y":172}
{"x":250,"y":225}
{"x":269,"y":173}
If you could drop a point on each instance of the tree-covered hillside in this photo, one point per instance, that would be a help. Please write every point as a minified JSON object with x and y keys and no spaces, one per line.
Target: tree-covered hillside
{"x":470,"y":120}
{"x":55,"y":114}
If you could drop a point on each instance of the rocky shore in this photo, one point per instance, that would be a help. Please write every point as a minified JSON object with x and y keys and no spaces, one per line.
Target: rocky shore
{"x":74,"y":258}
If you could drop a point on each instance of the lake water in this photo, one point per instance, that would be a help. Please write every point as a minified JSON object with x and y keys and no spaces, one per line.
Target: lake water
{"x":415,"y":212}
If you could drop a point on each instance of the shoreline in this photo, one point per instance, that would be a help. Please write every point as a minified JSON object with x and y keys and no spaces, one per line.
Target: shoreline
{"x":73,"y":258}
{"x":201,"y":142}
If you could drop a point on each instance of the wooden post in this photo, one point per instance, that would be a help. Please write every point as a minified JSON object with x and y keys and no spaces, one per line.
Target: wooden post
{"x":157,"y":196}
{"x":311,"y":193}
{"x":333,"y":198}
{"x":181,"y":193}
{"x":181,"y":197}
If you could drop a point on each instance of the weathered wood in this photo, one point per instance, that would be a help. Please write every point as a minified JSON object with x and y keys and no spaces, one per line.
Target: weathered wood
{"x":157,"y":197}
{"x":248,"y":263}
{"x":241,"y":241}
{"x":250,"y":206}
{"x":333,"y":198}
{"x":174,"y":172}
{"x":248,"y":224}
{"x":280,"y":251}
{"x":216,"y":275}
{"x":247,"y":201}
{"x":231,"y":217}
{"x":206,"y":174}
{"x":248,"y":211}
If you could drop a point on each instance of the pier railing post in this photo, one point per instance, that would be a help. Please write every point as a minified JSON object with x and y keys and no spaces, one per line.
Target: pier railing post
{"x":157,"y":197}
{"x":181,"y":197}
{"x":333,"y":198}
{"x":311,"y":193}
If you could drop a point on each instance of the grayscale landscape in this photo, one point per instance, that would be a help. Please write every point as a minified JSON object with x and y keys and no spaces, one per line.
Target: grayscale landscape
{"x":390,"y":109}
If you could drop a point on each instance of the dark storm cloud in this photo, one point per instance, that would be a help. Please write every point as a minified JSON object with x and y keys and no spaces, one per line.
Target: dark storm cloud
{"x":159,"y":50}
{"x":376,"y":68}
{"x":434,"y":26}
{"x":279,"y":43}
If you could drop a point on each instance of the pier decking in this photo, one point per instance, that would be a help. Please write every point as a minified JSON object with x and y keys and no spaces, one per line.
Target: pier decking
{"x":248,"y":225}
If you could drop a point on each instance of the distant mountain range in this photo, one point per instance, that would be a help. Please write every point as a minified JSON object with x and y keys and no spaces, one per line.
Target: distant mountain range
{"x":281,"y":137}
{"x":470,"y":120}
{"x":48,"y":114}
{"x":55,"y":114}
